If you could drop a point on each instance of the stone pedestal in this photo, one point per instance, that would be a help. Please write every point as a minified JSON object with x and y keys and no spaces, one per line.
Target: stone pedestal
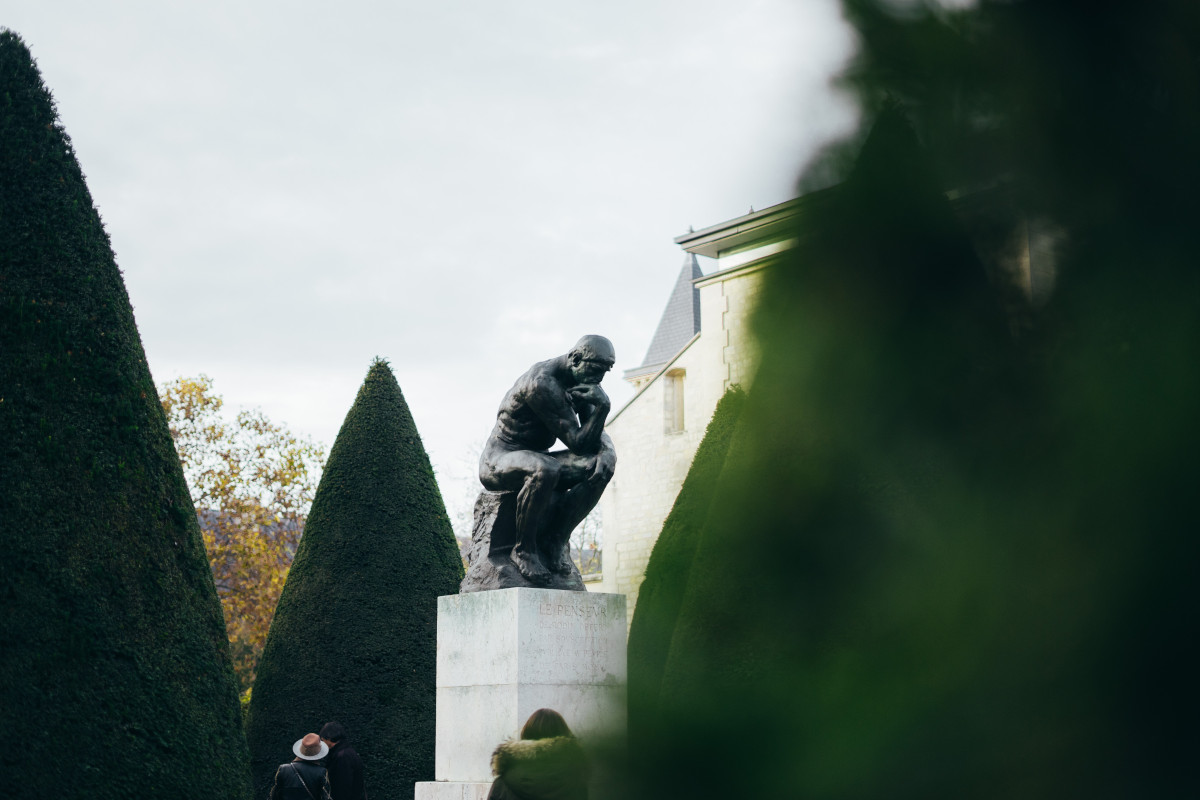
{"x":504,"y":654}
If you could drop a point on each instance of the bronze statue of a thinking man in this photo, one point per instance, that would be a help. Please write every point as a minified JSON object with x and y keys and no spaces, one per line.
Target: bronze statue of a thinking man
{"x":559,"y":399}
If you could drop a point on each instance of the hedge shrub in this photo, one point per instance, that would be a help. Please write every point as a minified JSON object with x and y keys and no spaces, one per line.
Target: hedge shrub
{"x":117,"y":681}
{"x":354,"y":638}
{"x":661,"y":593}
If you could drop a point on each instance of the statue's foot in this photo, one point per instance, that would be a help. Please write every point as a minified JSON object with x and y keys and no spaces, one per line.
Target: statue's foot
{"x":561,"y":565}
{"x":530,"y":566}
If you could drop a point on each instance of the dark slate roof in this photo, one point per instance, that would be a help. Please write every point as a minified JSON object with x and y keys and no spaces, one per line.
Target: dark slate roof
{"x":680,"y":320}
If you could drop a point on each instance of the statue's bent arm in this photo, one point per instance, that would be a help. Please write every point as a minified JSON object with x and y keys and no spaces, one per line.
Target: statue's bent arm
{"x":606,"y":460}
{"x":549,"y":402}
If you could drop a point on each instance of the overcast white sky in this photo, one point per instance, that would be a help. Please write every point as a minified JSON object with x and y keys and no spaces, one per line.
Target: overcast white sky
{"x":461,"y":187}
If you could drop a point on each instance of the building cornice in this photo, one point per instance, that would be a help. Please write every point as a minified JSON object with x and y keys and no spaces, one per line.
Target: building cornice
{"x":738,"y":269}
{"x":726,"y":238}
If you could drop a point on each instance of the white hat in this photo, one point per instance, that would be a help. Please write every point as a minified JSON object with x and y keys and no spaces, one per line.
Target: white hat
{"x":310,"y":747}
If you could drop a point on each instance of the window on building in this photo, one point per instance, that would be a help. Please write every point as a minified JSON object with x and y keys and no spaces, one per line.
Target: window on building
{"x":673,"y":401}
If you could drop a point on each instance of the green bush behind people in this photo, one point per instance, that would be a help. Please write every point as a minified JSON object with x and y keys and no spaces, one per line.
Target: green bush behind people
{"x":354,"y":638}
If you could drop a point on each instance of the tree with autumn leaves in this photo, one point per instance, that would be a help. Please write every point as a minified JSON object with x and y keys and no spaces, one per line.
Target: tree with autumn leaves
{"x":252,"y":482}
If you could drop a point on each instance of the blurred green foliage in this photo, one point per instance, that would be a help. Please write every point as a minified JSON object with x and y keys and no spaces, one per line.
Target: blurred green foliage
{"x":354,"y":637}
{"x":951,"y":552}
{"x":115,"y":679}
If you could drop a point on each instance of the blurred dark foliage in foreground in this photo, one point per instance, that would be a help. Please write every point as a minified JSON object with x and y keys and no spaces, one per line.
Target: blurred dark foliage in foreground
{"x":952,"y":550}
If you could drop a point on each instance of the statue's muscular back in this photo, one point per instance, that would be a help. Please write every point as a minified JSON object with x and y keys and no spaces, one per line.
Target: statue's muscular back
{"x":518,"y":426}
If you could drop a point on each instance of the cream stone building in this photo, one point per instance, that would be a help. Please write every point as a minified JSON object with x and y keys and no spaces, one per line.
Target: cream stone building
{"x":702,"y":347}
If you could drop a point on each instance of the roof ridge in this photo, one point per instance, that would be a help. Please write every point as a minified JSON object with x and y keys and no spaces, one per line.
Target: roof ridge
{"x":680,"y":319}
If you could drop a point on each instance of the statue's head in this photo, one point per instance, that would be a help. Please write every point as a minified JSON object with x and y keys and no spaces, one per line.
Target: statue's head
{"x":591,"y":358}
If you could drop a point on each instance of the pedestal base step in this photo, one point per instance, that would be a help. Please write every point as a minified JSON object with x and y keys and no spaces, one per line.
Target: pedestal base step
{"x":451,"y":790}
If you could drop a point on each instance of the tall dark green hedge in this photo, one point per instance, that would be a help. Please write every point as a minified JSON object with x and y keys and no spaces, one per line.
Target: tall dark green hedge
{"x":116,"y":679}
{"x":947,"y":558}
{"x":662,"y":591}
{"x":354,"y":638}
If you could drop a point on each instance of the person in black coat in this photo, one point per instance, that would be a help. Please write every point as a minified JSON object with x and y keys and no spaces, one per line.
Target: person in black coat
{"x":303,"y":778}
{"x":546,"y":763}
{"x":344,"y":765}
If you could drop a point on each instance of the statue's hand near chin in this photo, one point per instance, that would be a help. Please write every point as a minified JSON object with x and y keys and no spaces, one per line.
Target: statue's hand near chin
{"x":590,"y":393}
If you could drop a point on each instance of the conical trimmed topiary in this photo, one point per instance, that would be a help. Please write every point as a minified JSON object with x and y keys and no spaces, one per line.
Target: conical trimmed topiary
{"x":354,"y":638}
{"x":661,"y":593}
{"x":116,"y":674}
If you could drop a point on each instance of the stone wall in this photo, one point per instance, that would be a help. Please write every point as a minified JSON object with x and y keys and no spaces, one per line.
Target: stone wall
{"x":739,"y":353}
{"x":651,"y":463}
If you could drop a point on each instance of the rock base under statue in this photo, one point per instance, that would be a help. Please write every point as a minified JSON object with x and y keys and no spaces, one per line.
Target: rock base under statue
{"x":492,"y":538}
{"x":501,"y":656}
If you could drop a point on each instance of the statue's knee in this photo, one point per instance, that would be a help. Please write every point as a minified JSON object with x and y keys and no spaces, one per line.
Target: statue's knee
{"x":598,"y":475}
{"x":546,"y":473}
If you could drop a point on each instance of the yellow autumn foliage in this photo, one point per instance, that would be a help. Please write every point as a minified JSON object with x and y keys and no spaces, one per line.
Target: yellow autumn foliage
{"x":252,"y":482}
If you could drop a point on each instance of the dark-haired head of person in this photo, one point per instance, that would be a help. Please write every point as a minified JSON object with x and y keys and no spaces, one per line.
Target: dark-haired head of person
{"x":545,"y":723}
{"x":346,"y":775}
{"x":332,"y":733}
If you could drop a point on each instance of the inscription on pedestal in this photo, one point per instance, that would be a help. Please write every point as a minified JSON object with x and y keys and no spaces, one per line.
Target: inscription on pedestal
{"x":570,"y":645}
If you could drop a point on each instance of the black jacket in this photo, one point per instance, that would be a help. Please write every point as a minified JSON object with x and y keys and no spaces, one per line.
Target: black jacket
{"x":540,"y":769}
{"x":292,"y":778}
{"x":345,"y":773}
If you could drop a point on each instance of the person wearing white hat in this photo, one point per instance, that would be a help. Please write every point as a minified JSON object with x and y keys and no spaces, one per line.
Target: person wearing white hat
{"x":304,"y":777}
